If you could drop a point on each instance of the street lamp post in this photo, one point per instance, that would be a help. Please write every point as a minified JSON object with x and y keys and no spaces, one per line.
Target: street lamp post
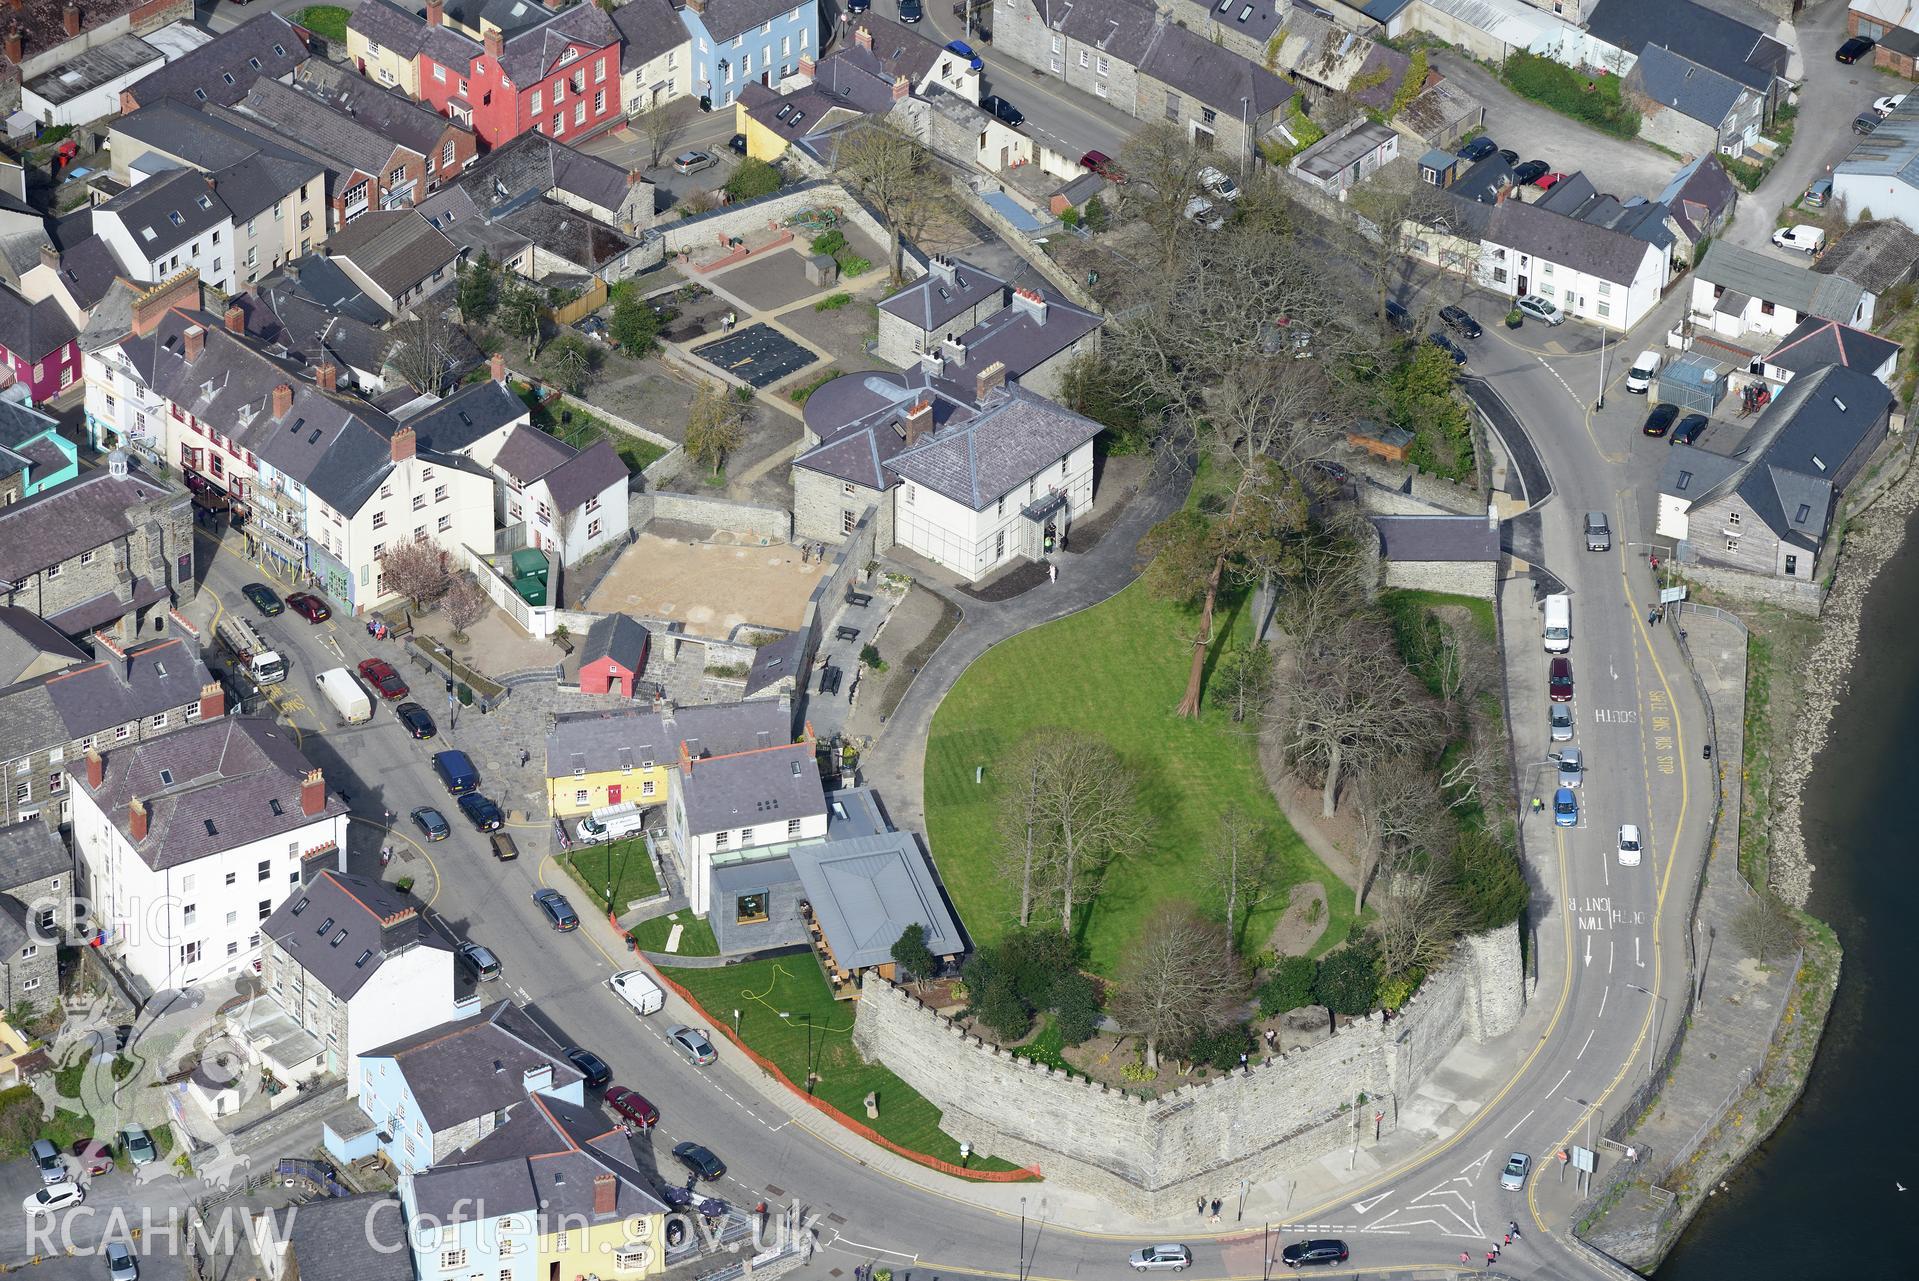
{"x":1653,"y":1045}
{"x":1245,"y":137}
{"x":1022,"y":1239}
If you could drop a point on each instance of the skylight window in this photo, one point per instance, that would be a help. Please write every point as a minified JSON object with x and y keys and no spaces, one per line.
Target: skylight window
{"x":325,"y":926}
{"x":279,"y":51}
{"x":206,"y":202}
{"x":301,"y":906}
{"x":166,"y":778}
{"x":173,"y":216}
{"x":273,"y":803}
{"x":201,"y":94}
{"x":337,"y":939}
{"x":1804,"y":514}
{"x":146,"y":233}
{"x":254,"y":63}
{"x":364,"y":958}
{"x":1685,"y":479}
{"x":160,"y":669}
{"x":211,"y":829}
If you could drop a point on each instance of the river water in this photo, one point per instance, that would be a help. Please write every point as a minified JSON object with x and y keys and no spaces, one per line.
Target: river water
{"x":1820,"y":1199}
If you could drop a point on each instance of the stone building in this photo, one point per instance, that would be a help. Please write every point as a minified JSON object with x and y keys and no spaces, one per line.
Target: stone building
{"x":1441,"y":553}
{"x":45,"y":36}
{"x":36,"y":910}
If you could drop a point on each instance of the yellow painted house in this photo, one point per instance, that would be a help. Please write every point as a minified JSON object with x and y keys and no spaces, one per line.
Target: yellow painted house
{"x":594,"y":759}
{"x":383,"y":42}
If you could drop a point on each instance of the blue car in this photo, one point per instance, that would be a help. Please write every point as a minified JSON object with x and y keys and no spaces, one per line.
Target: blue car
{"x":481,"y":812}
{"x":1565,"y":808}
{"x":965,"y":51}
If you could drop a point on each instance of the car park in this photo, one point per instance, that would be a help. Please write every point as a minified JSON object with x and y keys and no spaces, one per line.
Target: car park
{"x":431,"y":822}
{"x":139,"y":1145}
{"x":1541,"y":309}
{"x":1529,"y":172}
{"x":1559,"y":723}
{"x":559,"y":913}
{"x":1887,"y":105}
{"x":1218,"y":183}
{"x":693,"y":161}
{"x":1003,"y":111}
{"x":481,"y":812}
{"x":386,"y":682}
{"x":504,"y":850}
{"x":1161,"y":1258}
{"x":912,"y":10}
{"x":309,"y":607}
{"x":264,"y":599}
{"x":1855,"y":49}
{"x":121,"y":1265}
{"x":1865,"y":122}
{"x":1448,"y":346}
{"x":55,"y":1196}
{"x":1460,"y":321}
{"x":1660,"y":420}
{"x":1559,"y":680}
{"x":418,"y":721}
{"x":693,"y":1044}
{"x":965,"y":51}
{"x":631,"y":1107}
{"x":1103,"y":165}
{"x":1478,"y":149}
{"x":591,"y":1066}
{"x":1689,"y":429}
{"x":1629,"y":845}
{"x":1307,"y":1254}
{"x":1565,"y":808}
{"x":1572,"y":766}
{"x":1513,"y":1177}
{"x":480,"y":962}
{"x":699,"y":1162}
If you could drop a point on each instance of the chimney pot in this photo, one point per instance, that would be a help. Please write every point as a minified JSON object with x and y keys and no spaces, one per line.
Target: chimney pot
{"x":863,"y":38}
{"x":213,"y":702}
{"x":236,"y":319}
{"x":137,"y":820}
{"x":807,"y":66}
{"x":96,"y":768}
{"x":606,"y":1191}
{"x":313,"y":793}
{"x":327,"y":376}
{"x":282,"y":400}
{"x":919,"y":421}
{"x":990,"y":379}
{"x":499,"y":367}
{"x":72,"y":16}
{"x":1032,"y":302}
{"x":901,"y":88}
{"x":193,"y":342}
{"x":403,"y":444}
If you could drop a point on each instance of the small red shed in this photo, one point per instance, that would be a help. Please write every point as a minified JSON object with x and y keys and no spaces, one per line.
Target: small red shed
{"x":613,"y":656}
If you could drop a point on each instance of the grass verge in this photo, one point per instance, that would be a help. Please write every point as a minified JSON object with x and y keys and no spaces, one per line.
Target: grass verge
{"x":625,"y":865}
{"x":696,"y":936}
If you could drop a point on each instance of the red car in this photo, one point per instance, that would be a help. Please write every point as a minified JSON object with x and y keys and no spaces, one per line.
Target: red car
{"x":1547,"y":181}
{"x":92,"y":1156}
{"x":1559,"y":680}
{"x":379,"y":673}
{"x":309,"y":607}
{"x":1103,"y":165}
{"x":631,"y":1108}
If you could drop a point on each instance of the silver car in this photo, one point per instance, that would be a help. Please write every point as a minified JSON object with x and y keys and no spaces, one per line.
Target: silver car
{"x":1513,"y":1177}
{"x":1572,"y":766}
{"x":1560,"y":719}
{"x":693,"y":1044}
{"x":121,"y":1265}
{"x":1161,"y":1258}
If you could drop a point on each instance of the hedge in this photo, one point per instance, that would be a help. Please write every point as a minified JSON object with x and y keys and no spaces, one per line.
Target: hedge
{"x":1593,"y":99}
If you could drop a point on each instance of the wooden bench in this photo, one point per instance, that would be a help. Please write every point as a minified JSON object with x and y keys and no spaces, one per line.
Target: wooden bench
{"x":861,"y":599}
{"x":846,"y":633}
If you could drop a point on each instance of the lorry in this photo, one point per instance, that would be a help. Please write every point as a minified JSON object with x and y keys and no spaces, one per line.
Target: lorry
{"x":250,"y":651}
{"x":1559,"y":623}
{"x":348,"y":699}
{"x":638,"y":990}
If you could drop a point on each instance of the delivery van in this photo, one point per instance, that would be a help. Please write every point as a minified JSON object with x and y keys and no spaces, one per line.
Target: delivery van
{"x":611,"y":822}
{"x":348,"y":699}
{"x":1639,"y":377}
{"x":638,"y":990}
{"x":456,"y":771}
{"x":1559,"y":623}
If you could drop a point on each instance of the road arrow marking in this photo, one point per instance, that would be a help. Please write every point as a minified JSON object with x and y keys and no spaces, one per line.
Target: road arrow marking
{"x":1589,"y":949}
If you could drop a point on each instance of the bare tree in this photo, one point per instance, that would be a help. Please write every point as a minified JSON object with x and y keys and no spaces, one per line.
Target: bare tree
{"x":1765,"y":927}
{"x":1354,"y":701}
{"x":1240,"y":866}
{"x":1162,"y":169}
{"x":1180,"y":978}
{"x":416,"y":570}
{"x":1419,"y":919}
{"x":1090,"y":800}
{"x":895,"y":175}
{"x":715,"y":426}
{"x":659,"y":127}
{"x":423,"y":354}
{"x":1400,"y":812}
{"x":465,"y":605}
{"x":1029,"y":852}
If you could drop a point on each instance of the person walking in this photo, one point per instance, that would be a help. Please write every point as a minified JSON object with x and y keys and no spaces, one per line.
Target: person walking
{"x":1491,"y":1257}
{"x":1202,"y":1207}
{"x":1512,"y":1229}
{"x":1464,"y":1258}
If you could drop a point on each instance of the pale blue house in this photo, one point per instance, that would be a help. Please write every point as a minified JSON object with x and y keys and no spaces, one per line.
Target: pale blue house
{"x":34,"y":456}
{"x":740,"y":42}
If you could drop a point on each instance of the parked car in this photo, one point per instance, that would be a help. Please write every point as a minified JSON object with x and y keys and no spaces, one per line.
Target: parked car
{"x":1598,"y":532}
{"x":55,"y":1196}
{"x":432,"y":823}
{"x":1887,"y":105}
{"x":264,"y":599}
{"x":1448,"y":346}
{"x":629,"y":1106}
{"x":1460,"y":321}
{"x":1855,"y":49}
{"x":858,"y":6}
{"x":1161,"y":1258}
{"x":1202,"y":214}
{"x":693,"y":161}
{"x":139,"y":1145}
{"x":1819,"y":193}
{"x":558,"y":911}
{"x":1321,"y":1253}
{"x":1865,"y":122}
{"x":1398,"y":317}
{"x":1513,"y":1177}
{"x":1565,"y":814}
{"x":481,"y":812}
{"x":693,"y":1044}
{"x":912,"y":10}
{"x":737,"y":144}
{"x":591,"y":1066}
{"x":1541,"y":309}
{"x":1510,"y":156}
{"x":46,"y":1159}
{"x":1103,"y":165}
{"x":480,"y":961}
{"x":309,"y":607}
{"x":418,"y":721}
{"x":965,"y":51}
{"x":121,"y":1265}
{"x":1559,"y":680}
{"x":1559,"y":721}
{"x":1547,"y":181}
{"x":1629,"y":845}
{"x":1003,"y":110}
{"x":1806,"y":238}
{"x":1531,"y":171}
{"x":1660,"y":420}
{"x":1478,"y":149}
{"x":1220,"y":184}
{"x":379,"y":673}
{"x":456,"y":770}
{"x":1572,"y":766}
{"x":698,"y":1161}
{"x":1689,"y":428}
{"x":92,"y":1156}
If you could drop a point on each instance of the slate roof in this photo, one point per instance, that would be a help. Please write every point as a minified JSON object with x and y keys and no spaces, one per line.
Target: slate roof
{"x":586,"y":476}
{"x":388,"y":112}
{"x":30,"y":852}
{"x":839,"y":95}
{"x":224,"y":68}
{"x":88,"y":271}
{"x":619,"y":637}
{"x":533,"y":165}
{"x":947,"y":289}
{"x":389,"y":25}
{"x":633,"y":736}
{"x":350,"y":1238}
{"x":1677,"y":83}
{"x":510,"y":16}
{"x":1699,"y":192}
{"x":399,"y":247}
{"x":567,"y":233}
{"x":867,"y":883}
{"x":21,"y":423}
{"x":1817,"y":342}
{"x":1691,"y":473}
{"x":1878,"y":254}
{"x":309,"y":331}
{"x":746,"y":789}
{"x":1785,"y":284}
{"x":357,"y":144}
{"x":1212,"y":73}
{"x":1891,"y":149}
{"x":1568,"y":242}
{"x":529,"y":454}
{"x":1708,"y":37}
{"x":32,"y":331}
{"x":233,"y":781}
{"x":648,"y":28}
{"x":724,"y":19}
{"x":1411,"y":539}
{"x":167,"y":210}
{"x":563,"y":1152}
{"x":474,"y":411}
{"x":530,"y":55}
{"x":26,"y":642}
{"x":1009,"y":440}
{"x":458,"y":1071}
{"x":87,"y":512}
{"x":1256,"y":19}
{"x":340,"y":929}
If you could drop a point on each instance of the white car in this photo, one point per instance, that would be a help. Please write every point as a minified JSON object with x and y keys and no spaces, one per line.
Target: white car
{"x":1542,"y":309}
{"x":1161,"y":1258}
{"x":55,"y":1196}
{"x":1885,"y":106}
{"x":1201,"y":211}
{"x":1218,"y":183}
{"x":1629,"y":845}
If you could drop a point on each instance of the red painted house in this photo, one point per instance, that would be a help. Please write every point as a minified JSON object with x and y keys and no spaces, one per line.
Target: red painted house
{"x":559,"y":75}
{"x":613,"y":657}
{"x":38,"y":345}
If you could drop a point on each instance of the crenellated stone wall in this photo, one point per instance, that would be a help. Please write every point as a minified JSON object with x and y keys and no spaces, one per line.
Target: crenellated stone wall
{"x":1153,"y":1156}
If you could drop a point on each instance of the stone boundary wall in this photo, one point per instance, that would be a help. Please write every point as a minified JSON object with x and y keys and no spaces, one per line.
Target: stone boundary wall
{"x":721,"y":513}
{"x":1798,"y":596}
{"x":1153,"y":1156}
{"x":1017,"y":240}
{"x":1384,"y":493}
{"x":770,"y":213}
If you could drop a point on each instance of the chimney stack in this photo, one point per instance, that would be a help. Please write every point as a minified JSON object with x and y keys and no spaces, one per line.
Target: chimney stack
{"x":72,"y":16}
{"x":213,"y":703}
{"x":16,"y":45}
{"x":499,"y":367}
{"x":193,"y":342}
{"x":697,"y":6}
{"x":327,"y":376}
{"x":96,"y":768}
{"x":435,"y":13}
{"x":137,"y":820}
{"x":151,"y":307}
{"x":313,"y":793}
{"x":282,"y":400}
{"x":236,"y":319}
{"x":990,"y":379}
{"x":494,"y":42}
{"x":919,"y":421}
{"x":942,"y":267}
{"x":808,"y":67}
{"x":403,"y":444}
{"x":902,"y":88}
{"x":49,"y":257}
{"x":605,"y":1194}
{"x":1032,"y":302}
{"x":863,"y":38}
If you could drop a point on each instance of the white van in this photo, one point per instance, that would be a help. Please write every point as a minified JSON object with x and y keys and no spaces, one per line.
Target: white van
{"x":1559,"y":623}
{"x":610,"y":822}
{"x":638,"y":990}
{"x":1639,"y":377}
{"x":348,"y":699}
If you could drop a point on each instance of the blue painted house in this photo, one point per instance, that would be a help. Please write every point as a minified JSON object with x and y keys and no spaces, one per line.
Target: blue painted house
{"x":33,"y":454}
{"x":741,"y":42}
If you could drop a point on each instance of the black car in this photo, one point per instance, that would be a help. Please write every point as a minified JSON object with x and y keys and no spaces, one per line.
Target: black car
{"x":737,"y":144}
{"x":431,"y":823}
{"x":1855,"y":49}
{"x":1660,"y":420}
{"x":1510,"y":156}
{"x":481,"y":812}
{"x":699,"y":1161}
{"x":1531,"y":171}
{"x":591,"y":1065}
{"x":1478,"y":149}
{"x":1399,"y":317}
{"x":1003,"y":110}
{"x":911,"y":10}
{"x":263,"y":599}
{"x":1302,"y":1253}
{"x":1460,"y":321}
{"x":1448,"y":346}
{"x":1865,"y":122}
{"x":858,"y":6}
{"x":557,"y":909}
{"x":418,"y":721}
{"x":1689,"y":429}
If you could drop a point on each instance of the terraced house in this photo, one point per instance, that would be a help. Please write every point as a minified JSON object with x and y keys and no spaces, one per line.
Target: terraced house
{"x":740,"y":42}
{"x":594,"y":759}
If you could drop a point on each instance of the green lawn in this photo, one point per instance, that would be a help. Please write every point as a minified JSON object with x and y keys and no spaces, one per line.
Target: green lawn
{"x":760,"y":990}
{"x":325,"y":20}
{"x":1117,"y":671}
{"x":696,"y":938}
{"x":628,"y":864}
